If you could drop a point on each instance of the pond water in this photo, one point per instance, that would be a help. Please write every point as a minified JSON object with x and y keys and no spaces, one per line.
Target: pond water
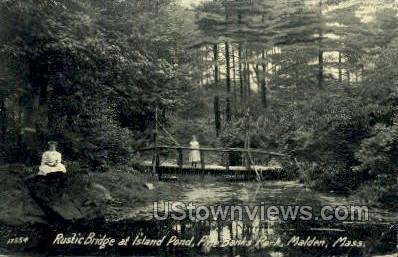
{"x":248,"y":235}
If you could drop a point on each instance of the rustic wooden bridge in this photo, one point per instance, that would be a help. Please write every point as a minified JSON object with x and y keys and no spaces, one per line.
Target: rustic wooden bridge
{"x":252,"y":162}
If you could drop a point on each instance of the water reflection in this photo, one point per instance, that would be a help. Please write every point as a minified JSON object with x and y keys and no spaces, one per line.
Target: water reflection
{"x":276,"y":238}
{"x":247,"y":237}
{"x":222,"y":238}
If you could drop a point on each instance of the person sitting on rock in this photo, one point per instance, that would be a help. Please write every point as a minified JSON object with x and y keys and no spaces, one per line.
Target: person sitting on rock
{"x":51,"y":160}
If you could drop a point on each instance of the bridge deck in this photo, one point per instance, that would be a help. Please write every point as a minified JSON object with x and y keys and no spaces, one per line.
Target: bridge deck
{"x":206,"y":166}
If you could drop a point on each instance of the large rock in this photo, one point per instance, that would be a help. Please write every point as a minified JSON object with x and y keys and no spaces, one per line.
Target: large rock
{"x":100,"y":192}
{"x":68,"y":197}
{"x":16,"y":205}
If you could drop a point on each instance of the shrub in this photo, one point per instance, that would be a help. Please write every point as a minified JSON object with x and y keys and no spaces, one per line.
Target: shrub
{"x":378,"y":154}
{"x":336,"y":177}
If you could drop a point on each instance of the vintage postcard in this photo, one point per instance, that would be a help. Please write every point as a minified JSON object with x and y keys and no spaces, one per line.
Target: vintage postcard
{"x":239,"y":128}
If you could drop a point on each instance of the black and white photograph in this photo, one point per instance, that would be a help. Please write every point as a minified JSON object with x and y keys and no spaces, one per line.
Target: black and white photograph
{"x":199,"y":128}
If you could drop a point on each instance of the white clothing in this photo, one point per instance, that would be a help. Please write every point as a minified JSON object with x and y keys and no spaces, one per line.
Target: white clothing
{"x":51,"y":162}
{"x":194,"y":155}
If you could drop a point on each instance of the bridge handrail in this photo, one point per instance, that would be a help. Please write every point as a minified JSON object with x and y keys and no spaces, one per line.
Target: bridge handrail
{"x":207,"y":149}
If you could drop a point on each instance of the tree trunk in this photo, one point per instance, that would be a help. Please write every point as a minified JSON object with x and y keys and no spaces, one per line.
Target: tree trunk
{"x":3,"y":127}
{"x":340,"y":70}
{"x":248,"y":84}
{"x":202,"y":63}
{"x":34,"y":125}
{"x":263,"y":85}
{"x":321,"y":63}
{"x":258,"y":76}
{"x":216,"y":68}
{"x":217,"y":118}
{"x":208,"y":74}
{"x":247,"y":139}
{"x":362,"y":74}
{"x":248,"y":77}
{"x":241,"y":78}
{"x":348,"y":77}
{"x":320,"y":54}
{"x":228,"y":82}
{"x":233,"y":78}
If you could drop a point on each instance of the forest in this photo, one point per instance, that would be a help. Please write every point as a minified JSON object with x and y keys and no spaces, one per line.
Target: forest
{"x":317,"y":80}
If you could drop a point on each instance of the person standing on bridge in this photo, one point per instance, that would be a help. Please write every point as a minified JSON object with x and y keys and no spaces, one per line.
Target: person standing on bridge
{"x":194,"y":154}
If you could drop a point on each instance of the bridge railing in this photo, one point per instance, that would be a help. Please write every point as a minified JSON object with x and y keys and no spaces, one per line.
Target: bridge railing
{"x":246,"y":155}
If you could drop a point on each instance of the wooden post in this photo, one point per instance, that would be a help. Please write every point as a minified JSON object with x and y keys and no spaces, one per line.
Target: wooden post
{"x":247,"y":142}
{"x":202,"y":161}
{"x":202,"y":164}
{"x":227,"y":162}
{"x":180,"y":160}
{"x":247,"y":164}
{"x":155,"y":161}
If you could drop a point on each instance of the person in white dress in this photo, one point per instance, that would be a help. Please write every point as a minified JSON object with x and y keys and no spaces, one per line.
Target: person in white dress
{"x":51,"y":161}
{"x":194,"y":154}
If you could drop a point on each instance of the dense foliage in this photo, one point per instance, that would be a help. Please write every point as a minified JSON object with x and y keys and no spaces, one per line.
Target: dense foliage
{"x":317,"y":77}
{"x":87,"y":73}
{"x":316,"y":80}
